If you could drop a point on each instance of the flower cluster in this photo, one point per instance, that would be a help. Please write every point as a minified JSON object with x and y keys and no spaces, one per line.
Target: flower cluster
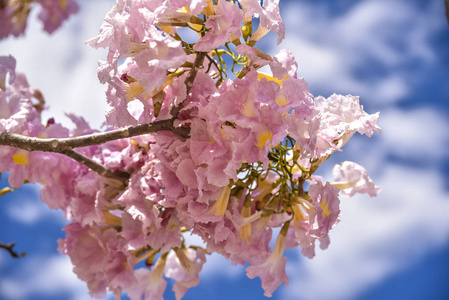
{"x":254,"y":143}
{"x":14,"y":14}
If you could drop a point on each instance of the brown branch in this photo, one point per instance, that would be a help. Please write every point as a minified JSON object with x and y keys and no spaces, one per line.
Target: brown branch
{"x":212,"y":61}
{"x":62,"y":144}
{"x":66,"y":145}
{"x":199,"y":59}
{"x":94,"y":166}
{"x":8,"y":247}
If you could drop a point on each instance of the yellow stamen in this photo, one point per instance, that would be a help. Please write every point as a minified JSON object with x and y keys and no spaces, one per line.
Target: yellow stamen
{"x":209,"y":9}
{"x":6,"y":190}
{"x":281,"y":99}
{"x":263,"y":137}
{"x":148,"y":255}
{"x":325,"y":207}
{"x":185,"y":9}
{"x":63,"y":4}
{"x":21,"y":157}
{"x":261,"y":75}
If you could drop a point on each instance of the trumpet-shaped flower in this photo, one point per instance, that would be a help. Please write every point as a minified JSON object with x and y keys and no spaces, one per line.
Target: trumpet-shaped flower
{"x":272,"y":270}
{"x":352,"y":178}
{"x":224,"y":26}
{"x":326,"y":208}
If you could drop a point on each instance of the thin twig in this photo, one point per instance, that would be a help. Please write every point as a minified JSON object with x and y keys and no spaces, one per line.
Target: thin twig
{"x":199,"y":59}
{"x":212,"y":61}
{"x":94,"y":166}
{"x":9,"y":247}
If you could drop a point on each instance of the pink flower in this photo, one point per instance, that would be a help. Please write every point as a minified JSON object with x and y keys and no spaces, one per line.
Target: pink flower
{"x":162,"y":53}
{"x":13,"y":18}
{"x":326,"y":208}
{"x":98,"y":257}
{"x":224,"y":26}
{"x":299,"y":234}
{"x":168,"y":236}
{"x":352,"y":178}
{"x":184,"y":266}
{"x":272,"y":270}
{"x":340,"y":117}
{"x":270,"y":18}
{"x":149,"y":285}
{"x":284,"y":65}
{"x":7,"y":66}
{"x":53,"y":13}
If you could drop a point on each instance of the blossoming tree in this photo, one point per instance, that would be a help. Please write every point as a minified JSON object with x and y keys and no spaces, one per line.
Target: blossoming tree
{"x":198,"y":141}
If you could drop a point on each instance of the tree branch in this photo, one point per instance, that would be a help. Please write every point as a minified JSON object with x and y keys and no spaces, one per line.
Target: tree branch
{"x":62,"y":144}
{"x":94,"y":166}
{"x":199,"y":59}
{"x":8,"y":247}
{"x":66,"y":145}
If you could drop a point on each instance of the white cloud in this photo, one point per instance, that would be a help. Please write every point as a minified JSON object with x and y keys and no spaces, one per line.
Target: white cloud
{"x":417,"y":133}
{"x":331,"y":49}
{"x":62,"y":66}
{"x":377,"y":236}
{"x":218,"y":265}
{"x":44,"y":276}
{"x":29,"y":210}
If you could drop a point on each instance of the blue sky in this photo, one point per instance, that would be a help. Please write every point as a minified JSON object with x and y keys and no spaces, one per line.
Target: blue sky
{"x":393,"y":54}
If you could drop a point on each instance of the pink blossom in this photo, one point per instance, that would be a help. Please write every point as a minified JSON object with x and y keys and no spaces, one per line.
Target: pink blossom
{"x":149,"y":284}
{"x":326,"y":208}
{"x":13,"y":19}
{"x":340,"y":117}
{"x":270,"y":19}
{"x":224,"y":26}
{"x":162,"y":53}
{"x":352,"y":178}
{"x":54,"y":12}
{"x":98,"y":257}
{"x":272,"y":270}
{"x":184,"y":266}
{"x":284,"y":65}
{"x":168,"y":236}
{"x":7,"y":66}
